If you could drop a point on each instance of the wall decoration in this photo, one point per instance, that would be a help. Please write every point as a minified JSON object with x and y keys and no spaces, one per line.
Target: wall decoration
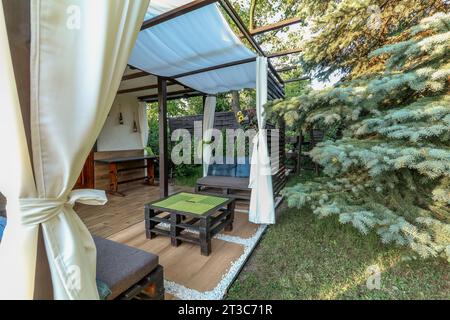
{"x":121,"y":122}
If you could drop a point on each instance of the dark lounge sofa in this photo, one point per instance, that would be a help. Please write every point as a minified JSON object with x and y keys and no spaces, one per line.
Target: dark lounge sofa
{"x":227,"y":179}
{"x":128,"y":273}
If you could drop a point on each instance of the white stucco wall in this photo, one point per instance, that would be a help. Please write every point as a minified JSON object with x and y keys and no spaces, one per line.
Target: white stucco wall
{"x":116,"y":137}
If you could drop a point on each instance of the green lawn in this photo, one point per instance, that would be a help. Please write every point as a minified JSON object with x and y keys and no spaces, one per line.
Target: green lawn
{"x":303,"y":257}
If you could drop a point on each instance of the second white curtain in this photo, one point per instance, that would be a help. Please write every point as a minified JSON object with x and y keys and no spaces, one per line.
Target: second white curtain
{"x":262,"y":208}
{"x":208,"y":126}
{"x":143,"y":123}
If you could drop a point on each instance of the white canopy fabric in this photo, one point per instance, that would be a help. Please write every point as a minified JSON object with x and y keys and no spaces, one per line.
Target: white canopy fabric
{"x":262,"y":208}
{"x":190,"y":42}
{"x":76,"y":68}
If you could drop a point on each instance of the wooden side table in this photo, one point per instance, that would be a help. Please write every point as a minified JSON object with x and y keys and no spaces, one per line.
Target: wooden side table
{"x":207,"y":216}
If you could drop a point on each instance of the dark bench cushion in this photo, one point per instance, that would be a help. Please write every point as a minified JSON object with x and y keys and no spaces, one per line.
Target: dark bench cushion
{"x":243,"y":170}
{"x":120,"y":266}
{"x":224,"y":170}
{"x":240,"y":169}
{"x":243,"y":166}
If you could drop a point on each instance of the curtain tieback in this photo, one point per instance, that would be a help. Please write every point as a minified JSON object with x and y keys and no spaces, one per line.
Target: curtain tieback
{"x":37,"y":211}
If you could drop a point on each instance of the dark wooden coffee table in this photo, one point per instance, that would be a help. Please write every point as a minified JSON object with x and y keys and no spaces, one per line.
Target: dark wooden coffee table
{"x":205,"y":214}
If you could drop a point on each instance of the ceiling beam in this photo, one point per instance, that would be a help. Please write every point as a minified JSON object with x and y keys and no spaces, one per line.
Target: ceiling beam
{"x":286,"y":69}
{"x":169,"y":82}
{"x":153,"y":86}
{"x":169,"y":15}
{"x":297,"y":79}
{"x":220,"y":66}
{"x":284,"y":53}
{"x":149,"y":87}
{"x":179,"y":92}
{"x":275,"y":26}
{"x":176,"y":97}
{"x":135,"y":75}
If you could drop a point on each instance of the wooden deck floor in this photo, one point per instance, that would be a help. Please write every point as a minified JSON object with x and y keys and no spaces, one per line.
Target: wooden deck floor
{"x":120,"y":212}
{"x":122,"y":219}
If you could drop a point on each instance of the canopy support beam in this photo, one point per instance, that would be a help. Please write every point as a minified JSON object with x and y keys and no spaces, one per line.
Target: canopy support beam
{"x":284,"y":53}
{"x":134,"y":76}
{"x":229,"y":64}
{"x":163,"y":143}
{"x":221,"y":66}
{"x":275,"y":26}
{"x":286,"y":69}
{"x":169,"y":15}
{"x":149,"y":87}
{"x":168,"y":94}
{"x":177,"y":97}
{"x":297,"y":79}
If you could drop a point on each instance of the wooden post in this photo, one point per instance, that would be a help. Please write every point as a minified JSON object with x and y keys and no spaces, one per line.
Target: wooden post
{"x":163,"y":148}
{"x":18,"y":26}
{"x":113,"y":179}
{"x":150,"y":172}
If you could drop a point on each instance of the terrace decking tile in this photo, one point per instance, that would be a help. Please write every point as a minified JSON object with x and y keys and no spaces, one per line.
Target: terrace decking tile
{"x":121,"y":220}
{"x":184,"y":264}
{"x":120,"y":212}
{"x":242,"y":228}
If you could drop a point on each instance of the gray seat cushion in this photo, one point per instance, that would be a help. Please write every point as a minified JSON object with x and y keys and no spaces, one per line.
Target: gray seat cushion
{"x":120,"y":266}
{"x":224,"y":182}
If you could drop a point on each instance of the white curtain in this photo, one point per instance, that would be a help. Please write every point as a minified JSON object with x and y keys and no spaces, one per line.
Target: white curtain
{"x":208,"y":126}
{"x":262,"y":208}
{"x":79,"y":50}
{"x":143,"y":123}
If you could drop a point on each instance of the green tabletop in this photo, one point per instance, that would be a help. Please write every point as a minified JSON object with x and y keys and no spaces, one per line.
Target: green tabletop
{"x":198,"y":204}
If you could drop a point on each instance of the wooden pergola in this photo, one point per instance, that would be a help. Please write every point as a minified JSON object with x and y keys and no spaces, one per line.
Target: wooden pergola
{"x":153,"y":88}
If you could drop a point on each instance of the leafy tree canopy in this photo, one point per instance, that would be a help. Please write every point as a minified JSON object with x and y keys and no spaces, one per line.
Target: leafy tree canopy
{"x":391,"y":170}
{"x":344,"y":32}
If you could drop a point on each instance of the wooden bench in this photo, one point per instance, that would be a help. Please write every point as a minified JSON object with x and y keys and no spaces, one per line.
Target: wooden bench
{"x":234,"y":187}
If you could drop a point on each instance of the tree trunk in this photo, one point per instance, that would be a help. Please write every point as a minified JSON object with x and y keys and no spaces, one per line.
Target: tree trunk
{"x":252,"y":15}
{"x":235,"y":101}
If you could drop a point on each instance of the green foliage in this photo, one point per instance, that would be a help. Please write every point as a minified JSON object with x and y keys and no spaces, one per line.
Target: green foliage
{"x":187,"y":175}
{"x":343,"y":33}
{"x":178,"y":108}
{"x":391,"y":170}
